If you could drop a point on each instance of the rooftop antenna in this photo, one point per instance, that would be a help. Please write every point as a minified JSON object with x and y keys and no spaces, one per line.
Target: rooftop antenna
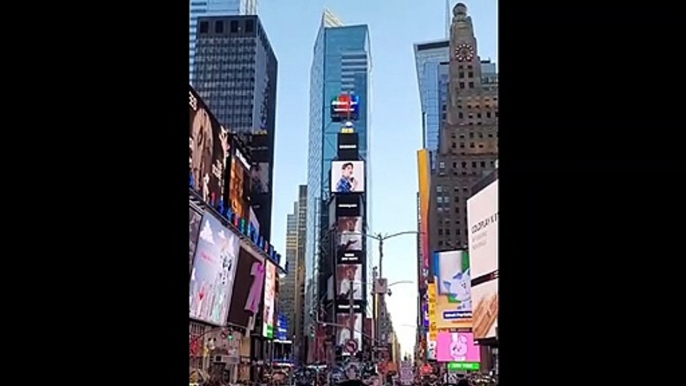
{"x":447,"y":19}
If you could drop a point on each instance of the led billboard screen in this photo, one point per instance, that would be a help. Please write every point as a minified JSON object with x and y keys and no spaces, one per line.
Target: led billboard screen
{"x":453,"y":295}
{"x":247,"y":293}
{"x":349,"y":282}
{"x":194,"y":228}
{"x":347,"y":177}
{"x":209,"y":149}
{"x":213,"y":273}
{"x":239,"y":192}
{"x":482,"y":219}
{"x":269,"y":296}
{"x":457,"y":347}
{"x":349,"y":327}
{"x":485,"y":320}
{"x":345,"y":107}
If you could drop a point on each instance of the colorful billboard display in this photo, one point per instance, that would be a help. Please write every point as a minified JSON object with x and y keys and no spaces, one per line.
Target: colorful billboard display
{"x":213,"y":273}
{"x":247,"y":293}
{"x":485,"y":319}
{"x":239,"y":191}
{"x":194,"y":228}
{"x":431,"y":304}
{"x":347,"y":177}
{"x":345,"y":107}
{"x":349,"y":232}
{"x":424,"y":171}
{"x":454,"y":290}
{"x":457,"y":347}
{"x":209,"y":149}
{"x":269,"y":296}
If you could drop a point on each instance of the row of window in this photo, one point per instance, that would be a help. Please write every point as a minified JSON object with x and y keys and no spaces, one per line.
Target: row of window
{"x":234,"y":26}
{"x":463,"y":164}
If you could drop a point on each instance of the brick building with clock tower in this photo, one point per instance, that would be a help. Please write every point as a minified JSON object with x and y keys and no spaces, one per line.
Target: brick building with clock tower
{"x":468,"y":140}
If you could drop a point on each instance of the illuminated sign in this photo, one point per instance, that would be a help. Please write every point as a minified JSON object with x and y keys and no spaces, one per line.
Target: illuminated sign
{"x":345,"y":107}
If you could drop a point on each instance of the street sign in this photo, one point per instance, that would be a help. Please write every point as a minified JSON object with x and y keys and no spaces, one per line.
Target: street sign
{"x":351,"y":346}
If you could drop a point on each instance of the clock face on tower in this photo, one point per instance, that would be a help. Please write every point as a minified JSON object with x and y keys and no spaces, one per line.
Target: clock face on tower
{"x":464,"y":52}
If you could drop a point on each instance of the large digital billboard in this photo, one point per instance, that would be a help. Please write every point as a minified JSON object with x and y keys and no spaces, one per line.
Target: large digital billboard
{"x":239,"y":192}
{"x":454,"y":290}
{"x":457,"y":347}
{"x":269,"y":295}
{"x":349,"y":232}
{"x":482,"y":219}
{"x":347,"y":177}
{"x":247,"y":293}
{"x":209,"y":149}
{"x":431,"y":306}
{"x":485,"y":320}
{"x":349,"y":283}
{"x":349,"y":327}
{"x":194,"y":228}
{"x":213,"y":273}
{"x":424,"y":171}
{"x":345,"y":107}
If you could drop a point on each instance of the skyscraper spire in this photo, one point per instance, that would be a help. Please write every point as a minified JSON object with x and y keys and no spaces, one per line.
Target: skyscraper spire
{"x":447,"y":19}
{"x":329,"y":19}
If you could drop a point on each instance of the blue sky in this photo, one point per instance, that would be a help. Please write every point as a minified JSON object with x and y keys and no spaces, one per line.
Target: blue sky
{"x":396,"y":116}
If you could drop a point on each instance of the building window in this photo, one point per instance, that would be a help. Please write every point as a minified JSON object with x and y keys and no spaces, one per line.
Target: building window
{"x":471,"y":145}
{"x":496,"y":114}
{"x":441,"y":165}
{"x":471,"y":74}
{"x":204,"y":27}
{"x":488,"y":114}
{"x":249,"y":26}
{"x":471,"y":135}
{"x":439,"y":199}
{"x":440,"y":232}
{"x":464,"y":164}
{"x":473,"y":164}
{"x":461,"y":145}
{"x":461,"y":136}
{"x":454,"y":145}
{"x":461,"y":75}
{"x":469,"y":67}
{"x":219,"y":27}
{"x":478,"y":115}
{"x":481,"y":135}
{"x":457,"y":210}
{"x":446,"y":199}
{"x":483,"y":164}
{"x":439,"y":188}
{"x":471,"y":84}
{"x":462,"y":86}
{"x":460,"y":115}
{"x":455,"y":165}
{"x":233,"y":27}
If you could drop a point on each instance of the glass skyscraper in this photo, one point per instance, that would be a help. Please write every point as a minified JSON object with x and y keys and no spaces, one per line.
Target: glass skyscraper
{"x":341,"y":64}
{"x":214,"y":8}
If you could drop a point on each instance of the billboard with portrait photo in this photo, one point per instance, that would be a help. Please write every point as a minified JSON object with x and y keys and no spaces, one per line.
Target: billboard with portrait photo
{"x":349,"y":327}
{"x":453,"y":290}
{"x":269,"y":296}
{"x":209,"y":149}
{"x":213,"y":273}
{"x":239,"y":190}
{"x":349,"y":282}
{"x":349,"y":234}
{"x":260,"y":177}
{"x":347,"y":177}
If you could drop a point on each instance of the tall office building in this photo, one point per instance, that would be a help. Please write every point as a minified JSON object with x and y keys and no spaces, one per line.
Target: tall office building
{"x":288,"y":287}
{"x":300,"y":268}
{"x":468,"y":143}
{"x":432,"y":60}
{"x":341,"y":64}
{"x":235,"y":73}
{"x":215,"y":8}
{"x":291,"y":298}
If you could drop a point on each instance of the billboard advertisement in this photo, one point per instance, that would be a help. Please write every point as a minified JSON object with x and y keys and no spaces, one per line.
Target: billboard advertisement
{"x":213,"y":273}
{"x":259,"y":173}
{"x":349,"y":327}
{"x":282,"y":328}
{"x":209,"y":149}
{"x":239,"y":191}
{"x":482,"y":219}
{"x":347,"y":145}
{"x":424,"y":171}
{"x":347,"y":205}
{"x":349,"y":232}
{"x":431,"y":305}
{"x":457,"y":347}
{"x":347,"y":177}
{"x":247,"y":293}
{"x":348,"y":282}
{"x":194,"y":228}
{"x":485,"y":322}
{"x":345,"y":107}
{"x":454,"y":290}
{"x":430,"y":349}
{"x":269,"y":296}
